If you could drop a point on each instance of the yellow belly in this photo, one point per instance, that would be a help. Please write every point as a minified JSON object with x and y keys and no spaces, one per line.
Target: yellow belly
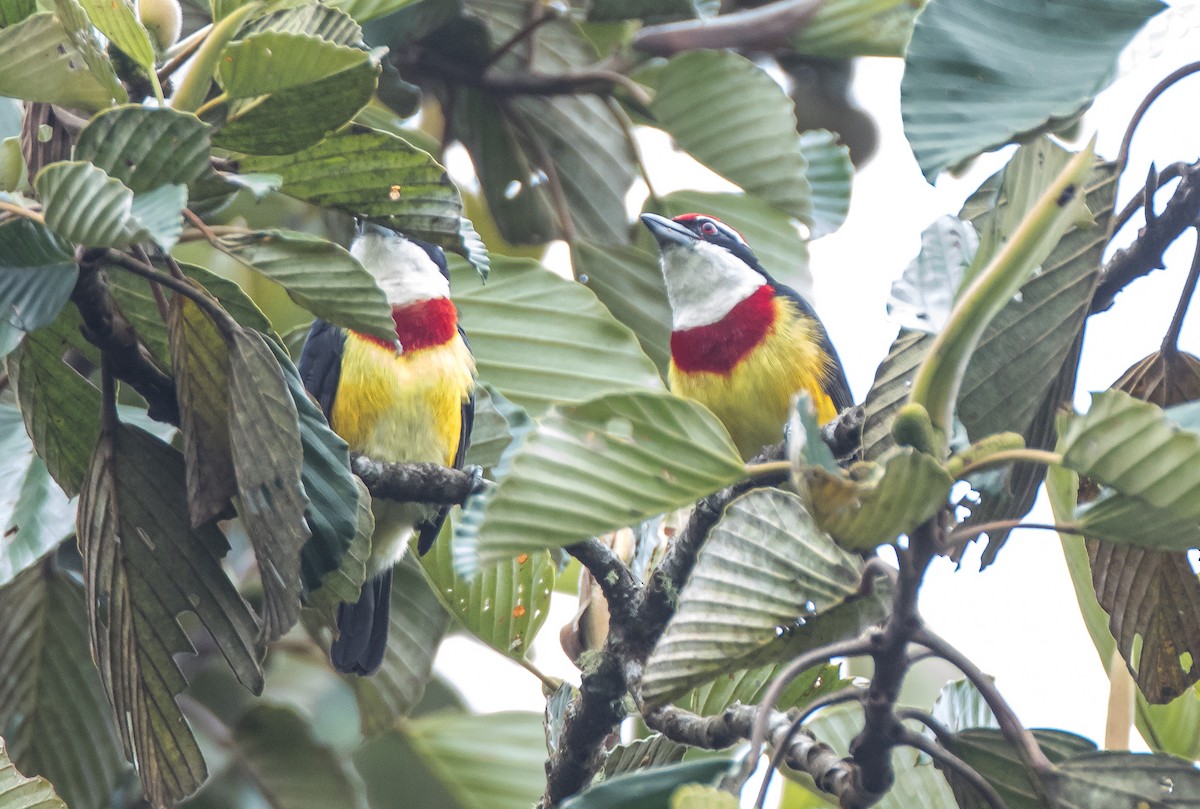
{"x":405,"y":408}
{"x":753,"y":399}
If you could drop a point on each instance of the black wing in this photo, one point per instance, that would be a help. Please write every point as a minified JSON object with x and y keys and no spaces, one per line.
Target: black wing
{"x":835,"y":385}
{"x":320,"y":363}
{"x":432,"y":526}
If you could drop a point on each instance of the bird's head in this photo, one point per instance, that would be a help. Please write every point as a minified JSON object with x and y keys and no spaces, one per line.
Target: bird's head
{"x":407,"y":270}
{"x":708,"y":267}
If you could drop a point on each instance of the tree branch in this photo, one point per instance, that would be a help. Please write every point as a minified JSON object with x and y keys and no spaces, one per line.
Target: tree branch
{"x":765,"y":28}
{"x":951,"y":762}
{"x":416,"y":482}
{"x":621,"y":589}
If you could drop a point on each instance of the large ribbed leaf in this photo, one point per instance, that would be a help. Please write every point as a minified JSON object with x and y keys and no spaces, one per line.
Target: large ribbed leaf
{"x":53,"y":711}
{"x":314,"y":19}
{"x":145,"y":147}
{"x":319,"y":275}
{"x":361,"y":171}
{"x":1114,"y":780}
{"x":596,"y":466}
{"x":749,"y":137}
{"x":83,"y":204}
{"x":363,"y":10}
{"x":980,"y":73}
{"x":749,"y":686}
{"x":881,"y":501}
{"x":655,"y":750}
{"x":568,"y":349}
{"x":416,"y":624}
{"x":510,"y":776}
{"x":13,"y":11}
{"x":768,"y":584}
{"x":19,"y":792}
{"x":923,"y":295}
{"x":37,"y":274}
{"x":288,"y":767}
{"x":504,"y":604}
{"x":649,"y":789}
{"x":143,"y":566}
{"x":118,"y":21}
{"x":42,"y":63}
{"x":986,"y":749}
{"x":919,"y":784}
{"x":346,"y":581}
{"x":629,"y":282}
{"x":1152,"y":465}
{"x":267,"y":460}
{"x":829,"y":174}
{"x":35,"y":515}
{"x":61,"y":409}
{"x":496,"y":420}
{"x":771,"y":234}
{"x":299,"y":117}
{"x":844,"y":28}
{"x":270,"y":61}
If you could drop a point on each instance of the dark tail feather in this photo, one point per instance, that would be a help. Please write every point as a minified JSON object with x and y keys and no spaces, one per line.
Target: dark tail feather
{"x":363,"y":628}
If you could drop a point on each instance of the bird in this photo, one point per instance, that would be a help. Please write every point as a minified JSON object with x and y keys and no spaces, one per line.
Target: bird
{"x":742,"y":344}
{"x":411,"y":399}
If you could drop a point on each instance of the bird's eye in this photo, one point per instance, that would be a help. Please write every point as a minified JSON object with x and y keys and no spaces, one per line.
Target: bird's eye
{"x":708,"y":229}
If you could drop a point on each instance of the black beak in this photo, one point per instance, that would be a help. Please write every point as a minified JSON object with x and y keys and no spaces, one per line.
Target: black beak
{"x":668,"y":233}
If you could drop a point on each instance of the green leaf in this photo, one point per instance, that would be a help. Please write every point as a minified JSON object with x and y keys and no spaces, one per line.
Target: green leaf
{"x":918,"y":784}
{"x":193,"y":89}
{"x":844,"y":28}
{"x":83,"y":204}
{"x":628,"y":281}
{"x":19,"y":792}
{"x":363,"y":10}
{"x":200,"y":361}
{"x":770,"y":233}
{"x":510,"y":776}
{"x":749,"y":686}
{"x":881,"y":501}
{"x":43,"y":63}
{"x":314,"y":19}
{"x":1114,"y":780}
{"x":982,"y":73}
{"x":61,"y":409}
{"x":960,"y":706}
{"x":503,"y":604}
{"x":35,"y":515}
{"x":267,"y":459}
{"x":319,"y":275}
{"x":1133,"y":447}
{"x":596,"y":466}
{"x":922,"y":297}
{"x":345,"y":582}
{"x":270,"y":61}
{"x":13,"y":11}
{"x":363,"y":172}
{"x":699,"y":796}
{"x":53,"y":710}
{"x":290,"y":768}
{"x":648,"y":789}
{"x":829,"y":174}
{"x":416,"y":624}
{"x":118,"y":21}
{"x":890,"y":390}
{"x":145,"y":147}
{"x":654,"y":751}
{"x":572,"y":349}
{"x":767,"y":586}
{"x":496,"y":420}
{"x":749,"y":138}
{"x":299,"y":117}
{"x":144,"y":566}
{"x":993,"y":757}
{"x":37,"y":274}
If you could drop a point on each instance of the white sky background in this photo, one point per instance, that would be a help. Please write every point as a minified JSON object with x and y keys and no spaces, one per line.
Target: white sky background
{"x":1018,"y":620}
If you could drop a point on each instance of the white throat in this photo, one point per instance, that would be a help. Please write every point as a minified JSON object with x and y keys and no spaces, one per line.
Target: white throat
{"x":404,"y":271}
{"x":704,"y":282}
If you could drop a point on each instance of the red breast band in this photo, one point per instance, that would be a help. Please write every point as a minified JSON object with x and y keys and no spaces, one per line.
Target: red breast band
{"x":718,"y":347}
{"x":423,"y":324}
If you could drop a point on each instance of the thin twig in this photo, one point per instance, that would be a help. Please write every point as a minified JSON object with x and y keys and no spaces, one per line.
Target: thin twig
{"x":548,"y":14}
{"x":1170,"y":341}
{"x":164,"y":310}
{"x":623,"y":121}
{"x":1151,"y":97}
{"x":1023,"y":455}
{"x":558,"y":194}
{"x":765,"y":28}
{"x":127,"y":262}
{"x":182,"y":52}
{"x":200,"y":225}
{"x":549,"y":682}
{"x":22,"y":211}
{"x":951,"y":762}
{"x":965,"y":533}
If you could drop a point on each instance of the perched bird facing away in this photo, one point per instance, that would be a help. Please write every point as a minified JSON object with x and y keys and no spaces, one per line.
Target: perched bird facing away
{"x":411,"y":401}
{"x":741,"y":343}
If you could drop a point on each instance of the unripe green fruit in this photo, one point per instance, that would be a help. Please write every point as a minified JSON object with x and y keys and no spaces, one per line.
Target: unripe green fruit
{"x":912,"y":427}
{"x":12,"y":164}
{"x":163,"y":19}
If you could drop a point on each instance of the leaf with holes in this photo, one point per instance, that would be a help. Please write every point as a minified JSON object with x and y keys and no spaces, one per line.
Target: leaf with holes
{"x":573,"y":350}
{"x":750,"y":138}
{"x":83,"y":204}
{"x":966,"y":91}
{"x":269,"y":61}
{"x":145,"y":147}
{"x":143,"y":566}
{"x":504,"y":604}
{"x":43,"y":63}
{"x":597,"y":466}
{"x":319,"y":275}
{"x":44,"y":656}
{"x":267,"y":460}
{"x":767,"y":585}
{"x":416,"y":624}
